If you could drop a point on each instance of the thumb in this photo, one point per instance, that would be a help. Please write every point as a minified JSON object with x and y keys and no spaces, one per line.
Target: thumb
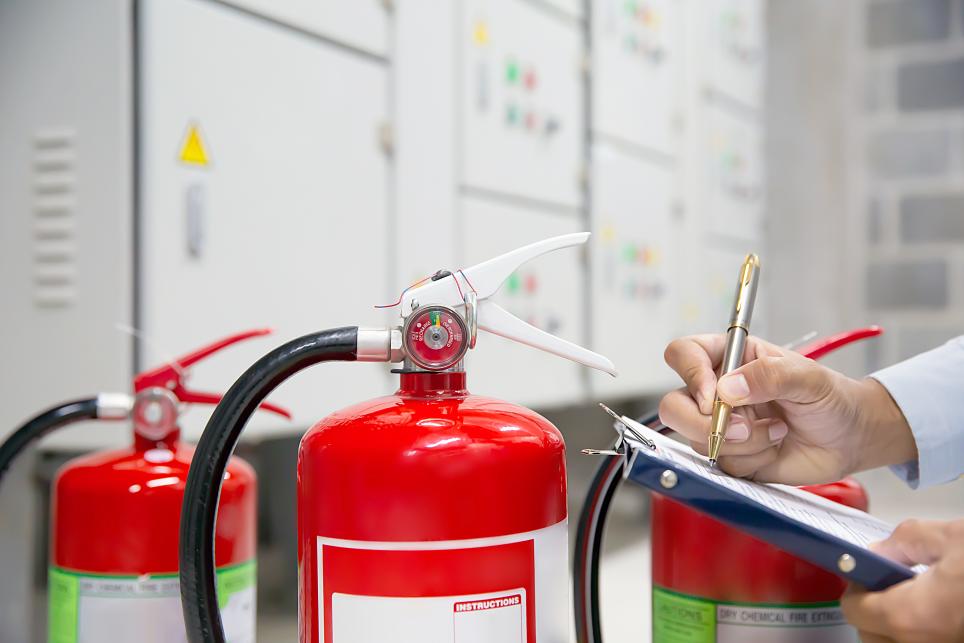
{"x":915,"y":541}
{"x":775,"y":377}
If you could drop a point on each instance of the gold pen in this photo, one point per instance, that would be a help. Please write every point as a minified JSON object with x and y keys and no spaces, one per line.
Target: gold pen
{"x":736,"y":334}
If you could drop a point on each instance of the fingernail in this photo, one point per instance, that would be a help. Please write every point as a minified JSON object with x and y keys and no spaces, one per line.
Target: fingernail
{"x":778,"y":431}
{"x":738,"y":431}
{"x":734,"y":387}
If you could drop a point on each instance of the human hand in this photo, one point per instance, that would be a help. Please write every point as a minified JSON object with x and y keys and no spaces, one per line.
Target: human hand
{"x":794,"y":421}
{"x":925,"y":609}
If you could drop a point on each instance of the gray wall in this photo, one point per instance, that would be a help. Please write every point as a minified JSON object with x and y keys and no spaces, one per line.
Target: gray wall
{"x":908,"y":120}
{"x":807,"y":173}
{"x":865,"y":162}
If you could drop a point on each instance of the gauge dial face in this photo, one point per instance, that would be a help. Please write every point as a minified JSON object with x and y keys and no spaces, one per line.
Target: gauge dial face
{"x":435,"y":338}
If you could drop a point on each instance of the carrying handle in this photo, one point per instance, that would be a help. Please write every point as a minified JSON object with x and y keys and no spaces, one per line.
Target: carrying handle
{"x":171,"y":376}
{"x":483,"y":280}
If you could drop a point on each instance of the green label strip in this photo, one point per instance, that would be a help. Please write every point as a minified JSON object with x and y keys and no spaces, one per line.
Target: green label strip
{"x":62,"y":606}
{"x":678,"y":619}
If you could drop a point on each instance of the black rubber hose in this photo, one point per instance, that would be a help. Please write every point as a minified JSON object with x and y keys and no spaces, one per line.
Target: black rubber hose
{"x":589,"y":532}
{"x":589,"y":542}
{"x":199,"y":511}
{"x":39,"y":426}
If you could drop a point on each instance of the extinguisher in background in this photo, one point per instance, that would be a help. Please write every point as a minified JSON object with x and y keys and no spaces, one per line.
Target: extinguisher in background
{"x":427,"y":515}
{"x":115,"y":517}
{"x":698,"y":595}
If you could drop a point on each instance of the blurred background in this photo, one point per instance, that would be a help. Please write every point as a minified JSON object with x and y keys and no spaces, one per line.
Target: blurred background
{"x":175,"y":171}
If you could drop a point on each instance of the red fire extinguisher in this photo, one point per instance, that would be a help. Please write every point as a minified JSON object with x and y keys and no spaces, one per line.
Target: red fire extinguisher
{"x":427,"y":515}
{"x":115,"y":516}
{"x":756,"y":592}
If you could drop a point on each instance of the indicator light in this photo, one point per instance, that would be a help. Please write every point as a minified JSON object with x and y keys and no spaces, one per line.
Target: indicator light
{"x":512,"y":72}
{"x":551,"y":126}
{"x":481,"y":33}
{"x":608,"y":233}
{"x":511,"y":114}
{"x":532,"y":284}
{"x":629,"y":252}
{"x":530,"y":79}
{"x":531,"y":120}
{"x":512,"y":283}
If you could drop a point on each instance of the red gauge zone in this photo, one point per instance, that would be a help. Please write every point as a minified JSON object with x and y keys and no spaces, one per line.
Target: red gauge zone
{"x":435,"y":338}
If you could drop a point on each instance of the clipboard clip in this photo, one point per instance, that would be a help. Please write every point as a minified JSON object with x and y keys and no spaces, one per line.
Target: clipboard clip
{"x":623,"y":427}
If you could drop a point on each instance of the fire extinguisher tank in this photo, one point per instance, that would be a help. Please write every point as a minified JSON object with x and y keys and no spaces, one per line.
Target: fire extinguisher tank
{"x":117,"y":512}
{"x":427,"y":515}
{"x":429,"y":464}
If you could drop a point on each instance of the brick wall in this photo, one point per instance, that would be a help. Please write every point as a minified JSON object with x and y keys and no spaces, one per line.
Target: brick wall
{"x":907,"y":151}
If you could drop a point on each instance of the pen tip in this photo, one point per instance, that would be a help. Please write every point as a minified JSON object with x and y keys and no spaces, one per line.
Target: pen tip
{"x":712,"y":463}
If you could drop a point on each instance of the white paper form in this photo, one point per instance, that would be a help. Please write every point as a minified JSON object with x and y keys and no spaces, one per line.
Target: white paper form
{"x":847,"y":523}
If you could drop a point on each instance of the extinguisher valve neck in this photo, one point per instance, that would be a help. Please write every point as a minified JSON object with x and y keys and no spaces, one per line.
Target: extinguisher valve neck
{"x":379,"y":345}
{"x":114,"y":406}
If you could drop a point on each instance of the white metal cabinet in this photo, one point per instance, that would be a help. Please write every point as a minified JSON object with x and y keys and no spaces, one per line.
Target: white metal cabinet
{"x":358,"y":23}
{"x":521,"y":101}
{"x":286,"y":226}
{"x":730,"y":34}
{"x":547,"y":292}
{"x":65,"y":210}
{"x":637,"y":80}
{"x":731,"y":167}
{"x":635,"y":260}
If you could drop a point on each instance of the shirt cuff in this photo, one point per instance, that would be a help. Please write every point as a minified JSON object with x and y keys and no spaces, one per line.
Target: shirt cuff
{"x":928,"y":389}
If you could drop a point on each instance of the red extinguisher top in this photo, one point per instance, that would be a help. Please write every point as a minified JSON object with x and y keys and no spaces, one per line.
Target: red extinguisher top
{"x":117,"y":512}
{"x":431,"y":462}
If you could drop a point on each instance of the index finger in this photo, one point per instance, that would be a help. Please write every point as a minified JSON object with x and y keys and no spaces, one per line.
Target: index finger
{"x":694,"y":358}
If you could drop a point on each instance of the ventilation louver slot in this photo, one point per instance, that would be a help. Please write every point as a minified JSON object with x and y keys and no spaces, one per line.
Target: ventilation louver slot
{"x":54,"y":209}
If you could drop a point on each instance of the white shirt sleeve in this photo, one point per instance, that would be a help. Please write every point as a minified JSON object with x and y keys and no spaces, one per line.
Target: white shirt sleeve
{"x":929,"y":389}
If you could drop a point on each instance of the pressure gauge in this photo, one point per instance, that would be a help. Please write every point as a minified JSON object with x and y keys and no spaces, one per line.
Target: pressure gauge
{"x":436,"y":338}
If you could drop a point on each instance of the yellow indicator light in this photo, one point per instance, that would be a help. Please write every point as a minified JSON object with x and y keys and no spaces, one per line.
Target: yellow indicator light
{"x":481,"y":33}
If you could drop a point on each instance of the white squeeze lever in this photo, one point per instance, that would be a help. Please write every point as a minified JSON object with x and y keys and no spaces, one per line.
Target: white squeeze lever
{"x":483,"y":280}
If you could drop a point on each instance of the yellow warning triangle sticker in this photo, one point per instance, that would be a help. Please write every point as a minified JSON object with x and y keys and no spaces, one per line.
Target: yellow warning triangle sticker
{"x":193,"y":151}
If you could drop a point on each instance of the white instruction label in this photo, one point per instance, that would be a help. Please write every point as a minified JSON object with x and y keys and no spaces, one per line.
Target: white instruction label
{"x":441,"y":619}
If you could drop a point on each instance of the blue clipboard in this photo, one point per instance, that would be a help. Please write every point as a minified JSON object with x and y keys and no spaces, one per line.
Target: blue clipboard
{"x":815,"y":545}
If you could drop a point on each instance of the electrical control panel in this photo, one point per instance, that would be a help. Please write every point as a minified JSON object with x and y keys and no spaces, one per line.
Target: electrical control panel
{"x":521,"y":101}
{"x":730,"y":34}
{"x":732,"y":189}
{"x":359,"y":23}
{"x":637,"y":72}
{"x":546,"y":292}
{"x":295,"y":163}
{"x":263,"y":207}
{"x":635,"y":254}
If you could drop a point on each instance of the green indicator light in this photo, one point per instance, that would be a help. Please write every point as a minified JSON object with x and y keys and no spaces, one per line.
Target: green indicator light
{"x":513,"y":283}
{"x":511,"y":114}
{"x":512,"y":72}
{"x":629,"y":252}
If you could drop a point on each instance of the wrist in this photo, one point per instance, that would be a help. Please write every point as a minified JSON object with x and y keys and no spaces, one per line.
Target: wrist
{"x":885,"y":436}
